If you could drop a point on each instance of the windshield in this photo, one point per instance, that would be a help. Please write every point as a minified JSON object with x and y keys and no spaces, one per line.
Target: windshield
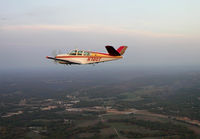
{"x":73,"y":52}
{"x":80,"y":53}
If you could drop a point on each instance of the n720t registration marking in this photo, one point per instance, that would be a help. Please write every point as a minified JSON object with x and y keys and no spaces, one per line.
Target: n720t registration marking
{"x":94,"y":59}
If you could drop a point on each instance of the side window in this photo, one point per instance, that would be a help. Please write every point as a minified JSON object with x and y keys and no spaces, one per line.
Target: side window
{"x":80,"y":53}
{"x":86,"y":53}
{"x":73,"y":52}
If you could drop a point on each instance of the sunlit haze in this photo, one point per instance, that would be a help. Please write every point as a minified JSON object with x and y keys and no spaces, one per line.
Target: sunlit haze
{"x":157,"y":32}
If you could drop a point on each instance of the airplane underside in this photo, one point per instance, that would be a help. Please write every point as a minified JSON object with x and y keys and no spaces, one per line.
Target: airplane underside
{"x":85,"y":60}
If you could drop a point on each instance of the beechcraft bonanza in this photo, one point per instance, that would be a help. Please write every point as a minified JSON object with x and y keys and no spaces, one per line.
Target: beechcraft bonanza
{"x":89,"y":57}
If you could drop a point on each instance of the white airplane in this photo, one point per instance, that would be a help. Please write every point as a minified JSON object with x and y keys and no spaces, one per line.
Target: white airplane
{"x":89,"y":57}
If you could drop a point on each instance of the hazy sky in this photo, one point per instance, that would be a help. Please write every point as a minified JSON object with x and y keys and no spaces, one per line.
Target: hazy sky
{"x":157,"y":32}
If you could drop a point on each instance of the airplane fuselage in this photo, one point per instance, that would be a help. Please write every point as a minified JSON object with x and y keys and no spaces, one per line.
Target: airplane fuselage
{"x":94,"y":57}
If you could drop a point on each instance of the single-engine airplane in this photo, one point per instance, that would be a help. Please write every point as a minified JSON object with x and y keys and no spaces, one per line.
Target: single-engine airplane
{"x":89,"y":57}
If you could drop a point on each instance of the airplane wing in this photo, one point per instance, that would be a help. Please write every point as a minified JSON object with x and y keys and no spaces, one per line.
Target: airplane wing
{"x":57,"y":59}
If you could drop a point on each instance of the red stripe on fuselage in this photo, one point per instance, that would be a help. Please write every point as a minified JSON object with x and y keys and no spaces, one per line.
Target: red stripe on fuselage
{"x":101,"y":53}
{"x":86,"y":56}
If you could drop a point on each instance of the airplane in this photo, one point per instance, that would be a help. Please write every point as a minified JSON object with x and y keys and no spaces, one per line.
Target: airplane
{"x":88,"y":57}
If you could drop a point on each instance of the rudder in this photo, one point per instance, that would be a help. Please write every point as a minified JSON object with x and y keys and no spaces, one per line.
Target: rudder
{"x":121,"y":50}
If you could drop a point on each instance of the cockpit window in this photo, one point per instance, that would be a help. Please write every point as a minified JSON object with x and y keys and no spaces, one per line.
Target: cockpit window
{"x":80,"y":53}
{"x":73,"y":52}
{"x":86,"y":53}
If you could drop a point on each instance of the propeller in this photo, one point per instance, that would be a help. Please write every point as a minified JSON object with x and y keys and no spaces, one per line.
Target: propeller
{"x":54,"y":53}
